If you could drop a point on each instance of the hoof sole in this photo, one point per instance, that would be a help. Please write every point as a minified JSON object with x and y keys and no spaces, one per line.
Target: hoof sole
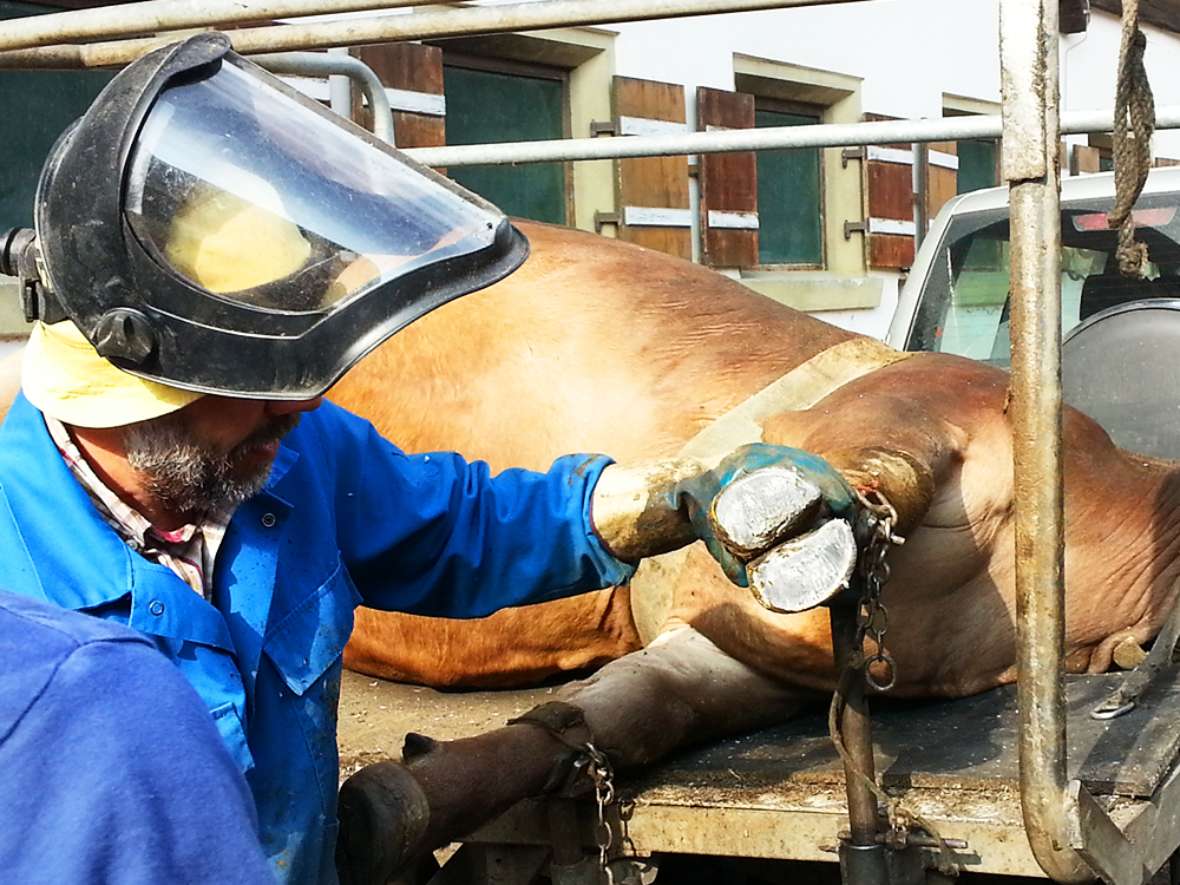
{"x":760,"y":508}
{"x":807,"y":571}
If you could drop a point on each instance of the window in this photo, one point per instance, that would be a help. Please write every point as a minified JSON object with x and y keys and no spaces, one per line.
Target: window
{"x":493,"y":101}
{"x":977,"y":165}
{"x":790,"y":192}
{"x":38,"y":106}
{"x":964,"y":305}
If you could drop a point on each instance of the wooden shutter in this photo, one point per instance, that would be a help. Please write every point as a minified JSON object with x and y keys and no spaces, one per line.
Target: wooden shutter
{"x":942,"y":175}
{"x":416,"y":71}
{"x":729,"y":184}
{"x":1085,"y":159}
{"x":652,"y":192}
{"x":889,"y":204}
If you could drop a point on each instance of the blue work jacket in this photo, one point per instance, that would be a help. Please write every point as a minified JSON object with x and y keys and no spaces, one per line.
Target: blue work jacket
{"x":345,"y":518}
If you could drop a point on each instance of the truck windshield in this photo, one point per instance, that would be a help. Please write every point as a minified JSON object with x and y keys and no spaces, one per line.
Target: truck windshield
{"x":964,"y":305}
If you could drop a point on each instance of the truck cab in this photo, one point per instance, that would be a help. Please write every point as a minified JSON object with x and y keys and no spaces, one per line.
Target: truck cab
{"x":1120,"y":336}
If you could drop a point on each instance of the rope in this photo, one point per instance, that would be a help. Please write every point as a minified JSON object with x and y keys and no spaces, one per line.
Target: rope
{"x":900,"y":818}
{"x":1134,"y":123}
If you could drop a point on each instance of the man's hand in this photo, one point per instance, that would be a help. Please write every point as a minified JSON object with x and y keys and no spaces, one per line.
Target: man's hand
{"x":759,"y":496}
{"x":775,"y":518}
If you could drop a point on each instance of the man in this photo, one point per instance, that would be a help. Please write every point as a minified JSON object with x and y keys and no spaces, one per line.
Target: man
{"x":80,"y":699}
{"x":193,"y":307}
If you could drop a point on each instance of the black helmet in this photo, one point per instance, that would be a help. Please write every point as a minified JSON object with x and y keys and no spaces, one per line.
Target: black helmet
{"x":208,"y":227}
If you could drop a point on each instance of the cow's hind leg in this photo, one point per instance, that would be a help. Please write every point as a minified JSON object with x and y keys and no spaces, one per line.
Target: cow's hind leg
{"x":680,"y":690}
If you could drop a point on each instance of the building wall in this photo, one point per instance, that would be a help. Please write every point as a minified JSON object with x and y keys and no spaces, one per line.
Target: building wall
{"x":896,"y":59}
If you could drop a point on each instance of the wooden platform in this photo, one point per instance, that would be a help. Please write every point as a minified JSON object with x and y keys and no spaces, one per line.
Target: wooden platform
{"x":779,"y":793}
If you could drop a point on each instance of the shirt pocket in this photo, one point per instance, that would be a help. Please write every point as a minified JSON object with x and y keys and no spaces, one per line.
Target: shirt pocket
{"x":306,"y":649}
{"x":229,"y":726}
{"x":311,"y":638}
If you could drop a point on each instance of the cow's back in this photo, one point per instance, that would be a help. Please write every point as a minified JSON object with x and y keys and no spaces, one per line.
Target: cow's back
{"x":593,"y":345}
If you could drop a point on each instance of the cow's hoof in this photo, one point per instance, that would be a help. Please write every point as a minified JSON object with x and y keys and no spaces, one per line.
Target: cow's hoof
{"x":806,"y":572}
{"x":383,"y":817}
{"x":763,"y":507}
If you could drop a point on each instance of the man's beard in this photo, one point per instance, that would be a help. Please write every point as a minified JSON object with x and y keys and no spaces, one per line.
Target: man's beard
{"x":186,"y":475}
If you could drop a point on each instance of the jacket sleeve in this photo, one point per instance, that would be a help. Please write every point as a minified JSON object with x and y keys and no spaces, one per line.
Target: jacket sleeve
{"x":434,"y":534}
{"x":117,"y":774}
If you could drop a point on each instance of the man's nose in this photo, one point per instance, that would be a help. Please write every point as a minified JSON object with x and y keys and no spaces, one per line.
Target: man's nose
{"x":279,"y":407}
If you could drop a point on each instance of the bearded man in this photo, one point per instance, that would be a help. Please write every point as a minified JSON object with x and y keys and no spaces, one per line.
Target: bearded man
{"x":193,"y":305}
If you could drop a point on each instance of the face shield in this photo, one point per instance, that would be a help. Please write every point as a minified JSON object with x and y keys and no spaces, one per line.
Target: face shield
{"x":248,"y":242}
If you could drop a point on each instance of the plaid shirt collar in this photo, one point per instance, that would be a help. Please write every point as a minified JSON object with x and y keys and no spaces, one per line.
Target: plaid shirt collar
{"x":189,"y":551}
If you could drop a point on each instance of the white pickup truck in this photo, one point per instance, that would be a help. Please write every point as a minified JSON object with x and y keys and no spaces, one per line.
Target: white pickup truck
{"x":1121,"y":344}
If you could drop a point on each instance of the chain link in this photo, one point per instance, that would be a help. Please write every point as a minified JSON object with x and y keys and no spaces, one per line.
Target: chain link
{"x":872,"y":617}
{"x":602,"y":773}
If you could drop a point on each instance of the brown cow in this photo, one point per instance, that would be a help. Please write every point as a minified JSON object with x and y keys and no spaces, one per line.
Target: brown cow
{"x":600,"y":346}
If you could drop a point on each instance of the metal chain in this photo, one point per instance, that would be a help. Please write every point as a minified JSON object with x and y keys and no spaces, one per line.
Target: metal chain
{"x":872,"y":617}
{"x":603,"y":774}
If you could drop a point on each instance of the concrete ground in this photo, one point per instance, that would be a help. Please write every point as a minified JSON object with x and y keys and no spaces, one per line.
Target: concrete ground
{"x":375,"y":715}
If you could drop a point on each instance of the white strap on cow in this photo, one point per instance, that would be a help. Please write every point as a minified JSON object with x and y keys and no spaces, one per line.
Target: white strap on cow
{"x":801,"y":388}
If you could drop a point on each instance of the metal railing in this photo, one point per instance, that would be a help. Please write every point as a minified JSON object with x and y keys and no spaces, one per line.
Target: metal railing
{"x":1071,"y":836}
{"x":428,"y":24}
{"x":730,"y":140}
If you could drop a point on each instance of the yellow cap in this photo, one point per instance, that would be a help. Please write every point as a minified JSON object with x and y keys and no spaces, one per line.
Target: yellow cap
{"x":227,"y":244}
{"x":64,"y":377}
{"x":219,"y":241}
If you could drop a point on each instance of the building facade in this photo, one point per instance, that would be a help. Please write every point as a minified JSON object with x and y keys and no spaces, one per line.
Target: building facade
{"x":829,"y":231}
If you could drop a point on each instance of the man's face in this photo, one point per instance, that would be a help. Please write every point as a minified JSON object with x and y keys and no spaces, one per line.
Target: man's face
{"x":213,"y":454}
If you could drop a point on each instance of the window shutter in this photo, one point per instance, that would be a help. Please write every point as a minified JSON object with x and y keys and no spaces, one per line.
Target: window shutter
{"x":729,"y":184}
{"x":942,"y":175}
{"x":1085,"y":159}
{"x":413,"y":75}
{"x":889,"y":235}
{"x":652,"y":192}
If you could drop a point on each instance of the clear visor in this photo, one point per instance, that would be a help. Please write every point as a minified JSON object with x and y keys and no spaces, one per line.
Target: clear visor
{"x":259,"y":197}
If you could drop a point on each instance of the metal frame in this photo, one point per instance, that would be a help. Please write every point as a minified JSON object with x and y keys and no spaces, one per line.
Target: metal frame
{"x":1070,"y":835}
{"x":422,"y":25}
{"x":335,"y":64}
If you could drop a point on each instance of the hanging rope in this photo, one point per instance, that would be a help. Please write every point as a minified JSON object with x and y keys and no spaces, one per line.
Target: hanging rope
{"x":1134,"y":123}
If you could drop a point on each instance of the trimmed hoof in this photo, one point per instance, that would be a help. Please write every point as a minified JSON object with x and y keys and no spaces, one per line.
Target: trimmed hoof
{"x":383,"y":817}
{"x":806,"y":572}
{"x":760,"y":508}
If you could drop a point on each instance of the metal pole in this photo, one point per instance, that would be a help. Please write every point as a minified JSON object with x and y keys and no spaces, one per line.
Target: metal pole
{"x":323,"y":64}
{"x":153,"y":16}
{"x":723,"y":141}
{"x":862,"y":858}
{"x":429,"y":24}
{"x":1028,"y":62}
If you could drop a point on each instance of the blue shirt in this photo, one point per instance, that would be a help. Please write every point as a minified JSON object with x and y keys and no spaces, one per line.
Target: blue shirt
{"x":110,"y":770}
{"x":345,"y":518}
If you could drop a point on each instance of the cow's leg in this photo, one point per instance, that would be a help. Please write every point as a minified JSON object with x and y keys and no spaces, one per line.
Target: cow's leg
{"x":682,"y":689}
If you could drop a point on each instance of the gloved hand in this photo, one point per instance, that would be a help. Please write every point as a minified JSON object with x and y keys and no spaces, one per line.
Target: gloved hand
{"x":796,"y":491}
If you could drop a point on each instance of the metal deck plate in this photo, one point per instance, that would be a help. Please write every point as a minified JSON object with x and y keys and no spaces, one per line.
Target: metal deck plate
{"x":968,"y":744}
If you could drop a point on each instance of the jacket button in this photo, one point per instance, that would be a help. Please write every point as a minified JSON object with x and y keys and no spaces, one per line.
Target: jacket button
{"x":268,"y":520}
{"x":156,"y":607}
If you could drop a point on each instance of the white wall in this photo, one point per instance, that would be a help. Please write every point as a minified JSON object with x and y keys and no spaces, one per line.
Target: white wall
{"x":908,"y":53}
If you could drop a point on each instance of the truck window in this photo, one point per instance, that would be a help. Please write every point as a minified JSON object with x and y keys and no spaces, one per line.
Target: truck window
{"x":964,"y":305}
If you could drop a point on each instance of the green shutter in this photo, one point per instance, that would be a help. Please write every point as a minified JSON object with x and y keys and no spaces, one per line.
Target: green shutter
{"x":789,"y":198}
{"x":486,"y":107}
{"x":977,"y":165}
{"x":38,"y":106}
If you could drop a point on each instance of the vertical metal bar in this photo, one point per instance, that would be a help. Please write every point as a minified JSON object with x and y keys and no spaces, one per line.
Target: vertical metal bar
{"x":921,"y":192}
{"x":328,"y":63}
{"x":862,"y":859}
{"x":1028,"y":61}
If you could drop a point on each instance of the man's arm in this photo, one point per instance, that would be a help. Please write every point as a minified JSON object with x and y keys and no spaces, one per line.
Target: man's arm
{"x":116,"y":774}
